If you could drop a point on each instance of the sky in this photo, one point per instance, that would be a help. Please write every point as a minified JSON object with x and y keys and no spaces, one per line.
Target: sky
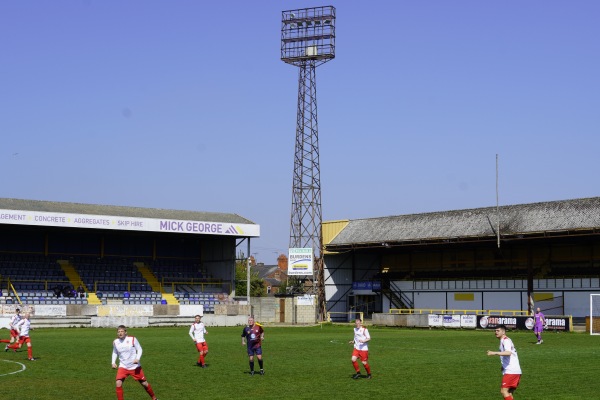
{"x":186,"y":105}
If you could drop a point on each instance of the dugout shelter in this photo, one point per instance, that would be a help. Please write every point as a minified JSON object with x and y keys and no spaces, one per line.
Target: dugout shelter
{"x":173,"y":254}
{"x":501,"y":258}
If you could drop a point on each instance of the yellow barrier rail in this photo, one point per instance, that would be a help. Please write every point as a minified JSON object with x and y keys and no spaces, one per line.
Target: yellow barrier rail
{"x":347,"y":313}
{"x":15,"y":293}
{"x":222,"y":285}
{"x":48,"y":283}
{"x":445,"y":311}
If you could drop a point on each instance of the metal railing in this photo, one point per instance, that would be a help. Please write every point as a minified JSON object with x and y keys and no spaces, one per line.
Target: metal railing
{"x":126,"y":283}
{"x":404,"y":299}
{"x":165,"y":285}
{"x":446,"y":311}
{"x":564,"y":282}
{"x":349,"y":314}
{"x":49,"y":284}
{"x":171,"y":286}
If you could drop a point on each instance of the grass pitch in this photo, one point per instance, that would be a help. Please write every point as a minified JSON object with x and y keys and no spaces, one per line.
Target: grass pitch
{"x":303,"y":363}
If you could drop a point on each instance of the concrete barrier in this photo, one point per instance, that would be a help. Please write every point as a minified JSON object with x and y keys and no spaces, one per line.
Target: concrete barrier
{"x":134,"y":322}
{"x":60,"y":322}
{"x":113,"y":322}
{"x":265,"y":309}
{"x":405,"y":320}
{"x":232,"y":309}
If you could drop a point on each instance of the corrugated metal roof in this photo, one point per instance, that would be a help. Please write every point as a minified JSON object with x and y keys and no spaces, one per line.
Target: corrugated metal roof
{"x":520,"y":219}
{"x":331,"y":229}
{"x":119,"y":211}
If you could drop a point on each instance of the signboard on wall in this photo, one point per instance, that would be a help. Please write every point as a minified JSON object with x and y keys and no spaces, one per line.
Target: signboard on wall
{"x":434,"y":320}
{"x":468,"y":321}
{"x":556,"y":323}
{"x":300,"y":261}
{"x":451,"y":321}
{"x":306,"y":300}
{"x":446,"y":321}
{"x":366,"y":287}
{"x":493,"y":321}
{"x":120,"y":223}
{"x":559,"y":323}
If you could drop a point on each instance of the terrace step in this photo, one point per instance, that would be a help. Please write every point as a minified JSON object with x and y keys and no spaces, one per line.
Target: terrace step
{"x":93,"y":299}
{"x":170,"y":298}
{"x":148,"y":275}
{"x":72,"y":274}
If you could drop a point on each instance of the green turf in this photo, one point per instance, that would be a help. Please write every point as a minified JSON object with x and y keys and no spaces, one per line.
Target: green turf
{"x":304,"y":363}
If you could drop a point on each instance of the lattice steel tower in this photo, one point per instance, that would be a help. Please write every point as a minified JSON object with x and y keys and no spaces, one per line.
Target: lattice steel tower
{"x":307,"y":41}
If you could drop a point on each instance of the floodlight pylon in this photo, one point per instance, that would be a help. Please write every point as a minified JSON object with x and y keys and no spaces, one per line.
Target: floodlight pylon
{"x":307,"y":41}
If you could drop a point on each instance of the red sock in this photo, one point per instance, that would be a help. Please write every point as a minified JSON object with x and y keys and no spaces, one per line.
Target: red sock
{"x":29,"y":352}
{"x":367,"y":368}
{"x":120,"y":393}
{"x":4,"y":341}
{"x":202,"y":359}
{"x":356,"y":368}
{"x":149,"y":390}
{"x":14,"y":346}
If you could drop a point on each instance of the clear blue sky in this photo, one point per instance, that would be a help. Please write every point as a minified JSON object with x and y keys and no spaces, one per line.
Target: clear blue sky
{"x":186,"y":105}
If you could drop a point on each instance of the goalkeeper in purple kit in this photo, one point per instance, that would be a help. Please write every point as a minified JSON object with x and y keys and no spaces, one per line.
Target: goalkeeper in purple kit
{"x":540,"y":322}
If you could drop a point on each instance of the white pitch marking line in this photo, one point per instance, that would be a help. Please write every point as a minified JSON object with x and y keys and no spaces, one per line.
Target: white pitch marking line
{"x":23,"y":368}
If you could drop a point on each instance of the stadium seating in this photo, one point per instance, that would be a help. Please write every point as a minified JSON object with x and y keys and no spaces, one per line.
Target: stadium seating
{"x":106,"y":272}
{"x":35,"y":276}
{"x":31,"y":272}
{"x":178,"y":271}
{"x":208,"y":300}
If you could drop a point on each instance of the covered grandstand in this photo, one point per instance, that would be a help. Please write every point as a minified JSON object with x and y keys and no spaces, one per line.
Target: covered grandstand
{"x":547,"y":253}
{"x":69,"y":253}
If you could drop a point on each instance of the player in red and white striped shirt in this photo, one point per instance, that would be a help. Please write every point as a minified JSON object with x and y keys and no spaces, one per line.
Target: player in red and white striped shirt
{"x":361,"y":349}
{"x":197,"y":332}
{"x":14,"y":320}
{"x":129,"y":351}
{"x":511,"y":369}
{"x":14,"y":334}
{"x":23,"y":327}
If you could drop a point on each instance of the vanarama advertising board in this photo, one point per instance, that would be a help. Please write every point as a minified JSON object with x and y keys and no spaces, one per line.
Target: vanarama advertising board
{"x":556,"y":323}
{"x":300,"y":261}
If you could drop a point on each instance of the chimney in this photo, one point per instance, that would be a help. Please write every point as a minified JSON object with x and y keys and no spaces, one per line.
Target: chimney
{"x":282,"y":262}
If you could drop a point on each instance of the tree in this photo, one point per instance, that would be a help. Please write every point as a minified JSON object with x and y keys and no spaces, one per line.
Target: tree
{"x":257,"y":287}
{"x":295,"y":285}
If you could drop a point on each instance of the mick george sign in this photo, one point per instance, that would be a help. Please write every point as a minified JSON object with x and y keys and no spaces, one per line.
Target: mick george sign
{"x":68,"y":220}
{"x":300,"y":261}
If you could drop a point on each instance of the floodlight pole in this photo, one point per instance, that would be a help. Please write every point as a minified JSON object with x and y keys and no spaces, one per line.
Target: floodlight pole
{"x":248,"y":281}
{"x":307,"y":41}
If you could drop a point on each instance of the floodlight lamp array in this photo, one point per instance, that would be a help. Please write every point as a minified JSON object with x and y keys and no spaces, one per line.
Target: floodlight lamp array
{"x":308,"y":35}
